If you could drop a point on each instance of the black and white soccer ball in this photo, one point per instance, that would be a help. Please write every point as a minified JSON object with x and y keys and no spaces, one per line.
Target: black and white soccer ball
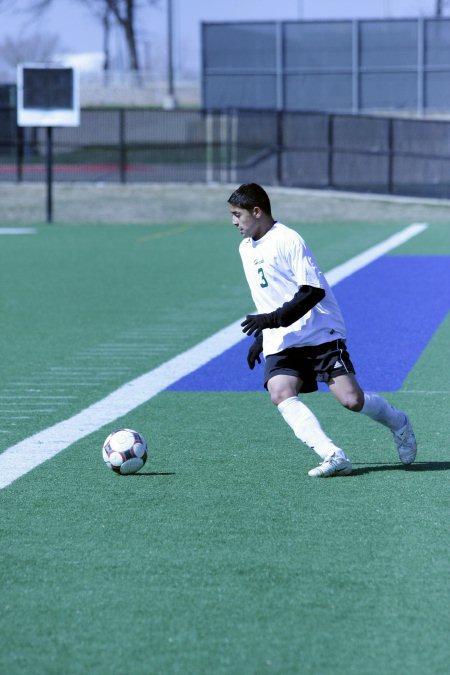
{"x":125,"y":451}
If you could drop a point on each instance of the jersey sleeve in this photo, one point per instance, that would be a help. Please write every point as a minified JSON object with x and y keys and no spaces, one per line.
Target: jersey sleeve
{"x":302,"y":264}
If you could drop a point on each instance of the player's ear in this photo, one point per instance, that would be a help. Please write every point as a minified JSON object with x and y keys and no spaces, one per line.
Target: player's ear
{"x":256,"y":212}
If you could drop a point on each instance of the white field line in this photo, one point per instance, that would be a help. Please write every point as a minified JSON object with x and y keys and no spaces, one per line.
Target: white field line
{"x":17,"y":230}
{"x":24,"y":456}
{"x":36,"y":397}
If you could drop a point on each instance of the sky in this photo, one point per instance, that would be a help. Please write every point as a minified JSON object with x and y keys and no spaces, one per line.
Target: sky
{"x":78,"y":31}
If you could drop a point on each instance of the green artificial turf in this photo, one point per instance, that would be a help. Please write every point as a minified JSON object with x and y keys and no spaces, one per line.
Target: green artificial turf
{"x":221,"y":556}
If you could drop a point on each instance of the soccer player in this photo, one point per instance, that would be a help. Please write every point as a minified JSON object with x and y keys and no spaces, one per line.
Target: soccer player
{"x":300,"y":330}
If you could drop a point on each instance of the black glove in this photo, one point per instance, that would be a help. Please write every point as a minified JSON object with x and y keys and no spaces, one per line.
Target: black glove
{"x":254,"y":352}
{"x":256,"y":323}
{"x":304,"y":300}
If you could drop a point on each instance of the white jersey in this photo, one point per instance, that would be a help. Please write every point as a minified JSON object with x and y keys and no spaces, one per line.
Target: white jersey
{"x":275,"y":266}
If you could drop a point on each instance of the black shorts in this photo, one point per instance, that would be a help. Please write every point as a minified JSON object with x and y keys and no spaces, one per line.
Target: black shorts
{"x":311,"y":364}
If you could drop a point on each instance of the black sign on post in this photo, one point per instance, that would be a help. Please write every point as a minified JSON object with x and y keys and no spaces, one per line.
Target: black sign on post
{"x":47,"y":96}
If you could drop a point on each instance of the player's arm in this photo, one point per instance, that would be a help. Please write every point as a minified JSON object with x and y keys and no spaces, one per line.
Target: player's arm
{"x":302,"y":302}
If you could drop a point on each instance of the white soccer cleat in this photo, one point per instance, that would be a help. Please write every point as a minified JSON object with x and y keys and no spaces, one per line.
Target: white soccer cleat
{"x":406,"y":442}
{"x":333,"y":465}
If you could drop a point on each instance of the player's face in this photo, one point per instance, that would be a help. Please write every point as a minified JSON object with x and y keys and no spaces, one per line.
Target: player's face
{"x":247,"y":222}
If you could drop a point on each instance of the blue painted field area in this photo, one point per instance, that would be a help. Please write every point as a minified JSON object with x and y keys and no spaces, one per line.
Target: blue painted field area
{"x":392,"y":309}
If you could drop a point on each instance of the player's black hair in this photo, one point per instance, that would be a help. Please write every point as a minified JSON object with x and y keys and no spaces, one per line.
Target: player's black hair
{"x":249,"y":195}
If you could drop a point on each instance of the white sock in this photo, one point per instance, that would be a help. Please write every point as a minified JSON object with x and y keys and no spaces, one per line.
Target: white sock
{"x":377,"y":408}
{"x":306,"y":427}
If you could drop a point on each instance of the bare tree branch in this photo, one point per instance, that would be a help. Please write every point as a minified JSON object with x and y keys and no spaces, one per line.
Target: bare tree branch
{"x":39,"y":47}
{"x":439,"y":7}
{"x":123,"y":11}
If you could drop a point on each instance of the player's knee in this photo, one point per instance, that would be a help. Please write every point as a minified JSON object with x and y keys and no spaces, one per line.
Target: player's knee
{"x":353,"y":401}
{"x":276,"y":398}
{"x":278,"y":395}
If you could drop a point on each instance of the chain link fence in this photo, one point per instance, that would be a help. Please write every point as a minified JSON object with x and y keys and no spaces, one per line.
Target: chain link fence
{"x":358,"y":66}
{"x":298,"y":149}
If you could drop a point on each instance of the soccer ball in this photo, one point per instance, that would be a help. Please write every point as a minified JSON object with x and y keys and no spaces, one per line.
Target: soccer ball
{"x":125,"y":451}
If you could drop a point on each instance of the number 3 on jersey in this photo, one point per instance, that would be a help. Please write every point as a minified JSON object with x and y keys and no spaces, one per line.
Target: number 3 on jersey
{"x":264,"y":283}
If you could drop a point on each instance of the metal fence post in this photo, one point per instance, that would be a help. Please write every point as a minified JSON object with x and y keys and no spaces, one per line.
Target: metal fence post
{"x":223,"y":151}
{"x":49,"y":173}
{"x":330,"y":177}
{"x":279,"y":65}
{"x":390,"y":166}
{"x":356,"y":103}
{"x":234,"y":145}
{"x":209,"y":146}
{"x":227,"y":151}
{"x":280,"y":146}
{"x":19,"y":154}
{"x":420,"y":65}
{"x":122,"y":147}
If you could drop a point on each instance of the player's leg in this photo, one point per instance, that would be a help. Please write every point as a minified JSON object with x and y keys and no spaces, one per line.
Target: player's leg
{"x":283,"y":390}
{"x":346,"y":389}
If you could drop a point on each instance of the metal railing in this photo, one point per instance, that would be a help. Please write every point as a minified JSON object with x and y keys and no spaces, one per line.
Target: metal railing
{"x":298,"y":149}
